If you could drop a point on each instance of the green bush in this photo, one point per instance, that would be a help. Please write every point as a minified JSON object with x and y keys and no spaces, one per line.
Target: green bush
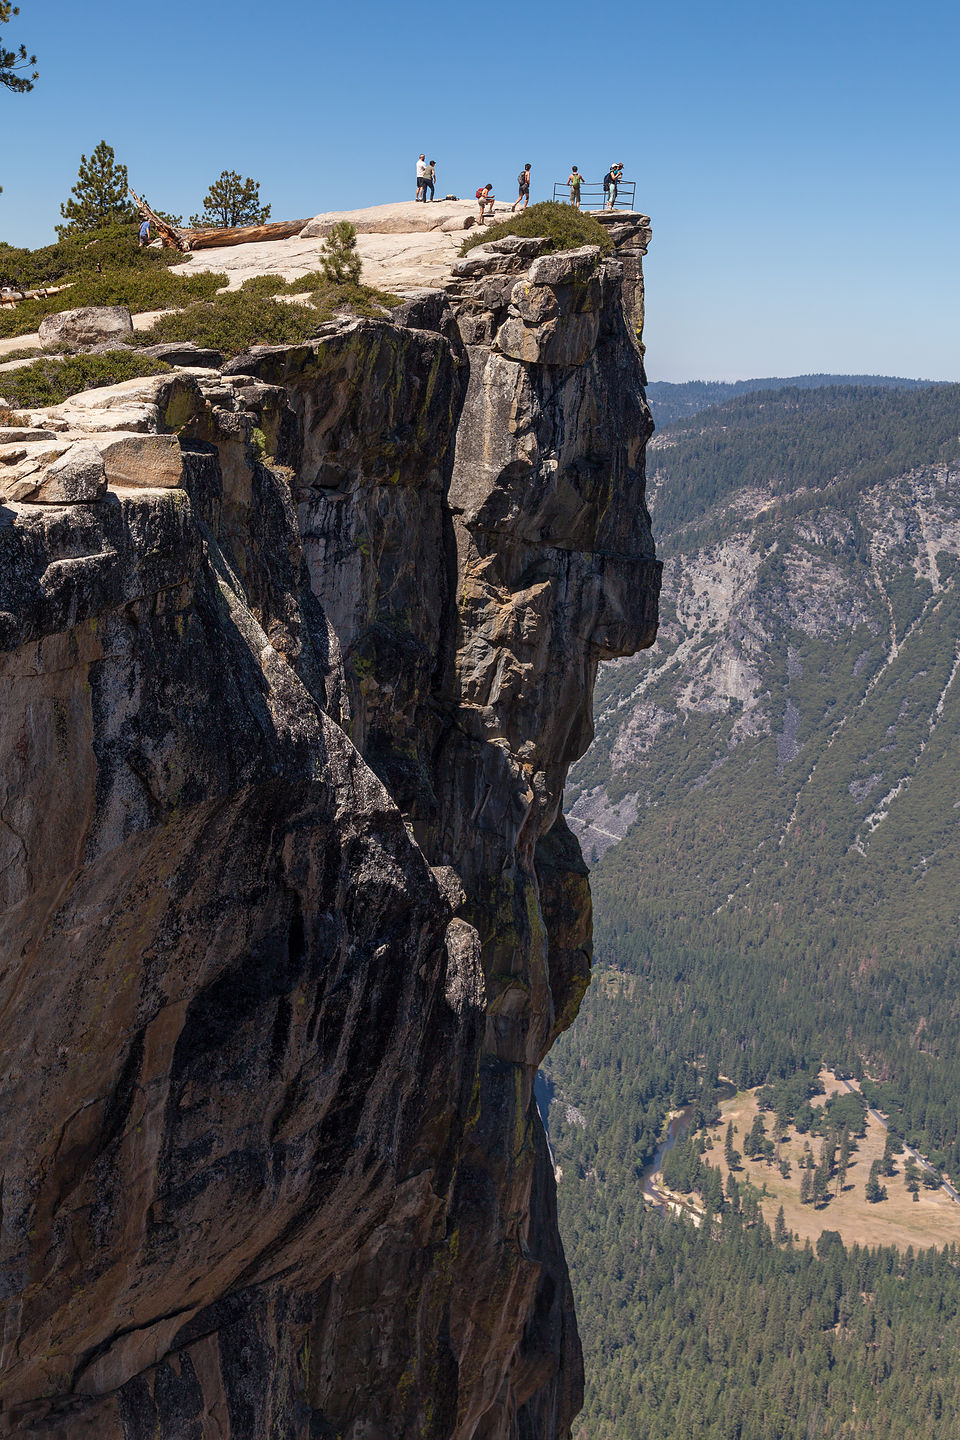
{"x":265,"y":285}
{"x":139,"y":290}
{"x":235,"y":321}
{"x":357,"y":299}
{"x":241,"y":318}
{"x":28,"y":352}
{"x":49,"y":381}
{"x":113,"y":248}
{"x":103,"y":267}
{"x":564,"y":227}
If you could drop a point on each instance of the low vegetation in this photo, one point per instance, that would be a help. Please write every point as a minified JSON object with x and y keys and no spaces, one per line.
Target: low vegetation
{"x":256,"y":315}
{"x":233,"y":322}
{"x":102,"y":268}
{"x":564,"y":228}
{"x":49,"y":381}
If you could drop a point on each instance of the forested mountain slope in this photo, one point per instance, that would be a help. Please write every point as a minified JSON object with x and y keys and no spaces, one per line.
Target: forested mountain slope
{"x":784,"y":771}
{"x":791,"y":743}
{"x":671,"y":400}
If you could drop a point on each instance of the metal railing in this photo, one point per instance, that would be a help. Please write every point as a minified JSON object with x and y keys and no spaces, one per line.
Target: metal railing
{"x":592,"y":194}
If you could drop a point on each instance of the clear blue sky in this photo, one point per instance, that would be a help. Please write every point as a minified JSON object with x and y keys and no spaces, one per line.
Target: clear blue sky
{"x":800,"y":163}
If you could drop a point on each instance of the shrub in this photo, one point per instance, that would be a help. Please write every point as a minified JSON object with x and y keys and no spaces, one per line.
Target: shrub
{"x":564,"y":227}
{"x":49,"y":381}
{"x":113,"y":247}
{"x":241,"y":318}
{"x":235,"y":321}
{"x":138,"y":290}
{"x":340,"y":264}
{"x":356,"y":299}
{"x":265,"y":285}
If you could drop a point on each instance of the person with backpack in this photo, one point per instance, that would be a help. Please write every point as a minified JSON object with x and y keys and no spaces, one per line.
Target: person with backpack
{"x":573,"y":180}
{"x":523,"y":180}
{"x":611,"y":186}
{"x":486,"y":197}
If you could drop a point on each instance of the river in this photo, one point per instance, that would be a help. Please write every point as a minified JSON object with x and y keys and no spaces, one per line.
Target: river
{"x":677,"y":1128}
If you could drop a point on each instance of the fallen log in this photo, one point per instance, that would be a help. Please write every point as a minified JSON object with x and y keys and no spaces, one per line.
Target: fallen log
{"x":172,"y":237}
{"x":214,"y":237}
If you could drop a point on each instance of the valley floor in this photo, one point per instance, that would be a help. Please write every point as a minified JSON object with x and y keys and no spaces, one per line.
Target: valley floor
{"x":932,"y":1219}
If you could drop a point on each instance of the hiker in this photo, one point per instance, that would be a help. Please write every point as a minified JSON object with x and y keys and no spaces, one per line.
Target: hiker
{"x":523,"y":180}
{"x":573,"y":180}
{"x":422,"y":177}
{"x":611,"y":186}
{"x":144,"y":236}
{"x":486,"y":197}
{"x":430,"y":179}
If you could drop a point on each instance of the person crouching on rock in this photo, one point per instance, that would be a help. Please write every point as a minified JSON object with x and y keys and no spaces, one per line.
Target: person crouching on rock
{"x":486,"y":198}
{"x":523,"y":180}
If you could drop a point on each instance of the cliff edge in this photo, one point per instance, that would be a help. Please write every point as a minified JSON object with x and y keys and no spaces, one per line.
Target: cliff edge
{"x":295,"y":657}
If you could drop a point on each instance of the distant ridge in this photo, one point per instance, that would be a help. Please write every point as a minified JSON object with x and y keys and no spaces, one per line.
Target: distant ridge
{"x":671,"y":401}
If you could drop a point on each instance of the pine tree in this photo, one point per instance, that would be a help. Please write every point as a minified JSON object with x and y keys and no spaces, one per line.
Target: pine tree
{"x":873,"y":1190}
{"x":780,"y":1231}
{"x":100,"y":194}
{"x":14,"y":62}
{"x":731,"y":1156}
{"x":843,"y":1164}
{"x":340,"y":265}
{"x":232,"y":201}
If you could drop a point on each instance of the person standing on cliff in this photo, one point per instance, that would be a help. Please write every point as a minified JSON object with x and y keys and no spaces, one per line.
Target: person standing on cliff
{"x":611,"y":186}
{"x":523,"y":180}
{"x":573,"y":180}
{"x":422,"y":177}
{"x":430,"y":179}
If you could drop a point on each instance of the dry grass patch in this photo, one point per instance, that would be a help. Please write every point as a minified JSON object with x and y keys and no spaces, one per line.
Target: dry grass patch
{"x":933,"y":1219}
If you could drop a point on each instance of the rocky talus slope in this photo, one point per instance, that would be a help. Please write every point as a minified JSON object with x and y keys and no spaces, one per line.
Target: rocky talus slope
{"x":295,"y":656}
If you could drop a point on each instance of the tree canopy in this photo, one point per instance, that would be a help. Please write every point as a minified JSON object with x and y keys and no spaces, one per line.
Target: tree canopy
{"x":13,"y":63}
{"x":100,"y":195}
{"x":232,"y":201}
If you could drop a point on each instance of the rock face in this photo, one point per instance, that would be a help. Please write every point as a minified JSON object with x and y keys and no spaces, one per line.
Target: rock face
{"x":90,"y":325}
{"x":290,"y":915}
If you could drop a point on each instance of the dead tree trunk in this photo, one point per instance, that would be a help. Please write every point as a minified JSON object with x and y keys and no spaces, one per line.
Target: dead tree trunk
{"x":172,"y":237}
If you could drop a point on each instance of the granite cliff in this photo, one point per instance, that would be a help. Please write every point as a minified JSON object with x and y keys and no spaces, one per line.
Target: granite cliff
{"x":295,"y":656}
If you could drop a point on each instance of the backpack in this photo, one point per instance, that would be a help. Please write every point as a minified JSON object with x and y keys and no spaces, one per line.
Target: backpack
{"x":480,"y":193}
{"x":522,"y":178}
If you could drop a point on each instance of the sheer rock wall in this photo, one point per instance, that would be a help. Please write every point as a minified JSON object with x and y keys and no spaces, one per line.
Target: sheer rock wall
{"x":290,"y":915}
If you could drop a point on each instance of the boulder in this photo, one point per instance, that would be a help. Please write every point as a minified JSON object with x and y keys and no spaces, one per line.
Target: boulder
{"x":61,"y":473}
{"x":152,"y":462}
{"x":564,"y":267}
{"x":89,"y":325}
{"x":185,"y":353}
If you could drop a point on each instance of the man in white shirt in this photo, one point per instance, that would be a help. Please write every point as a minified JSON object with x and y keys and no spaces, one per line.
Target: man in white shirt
{"x":422,"y":169}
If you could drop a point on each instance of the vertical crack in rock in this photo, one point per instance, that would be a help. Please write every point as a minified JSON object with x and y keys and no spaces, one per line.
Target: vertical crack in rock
{"x":290,"y":915}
